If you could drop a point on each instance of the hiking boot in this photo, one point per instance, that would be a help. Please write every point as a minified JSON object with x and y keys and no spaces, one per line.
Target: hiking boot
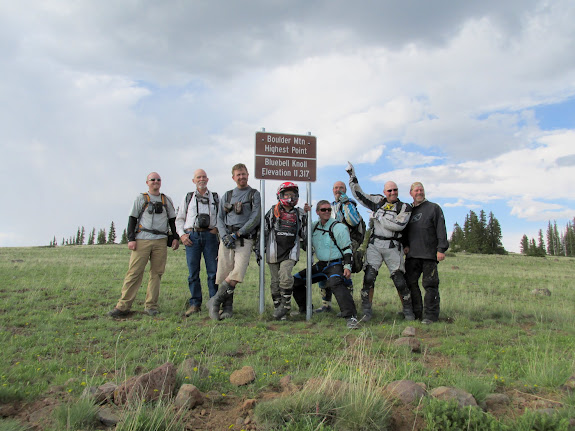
{"x":323,"y":309}
{"x":227,"y":308}
{"x":225,"y":291}
{"x":118,"y":313}
{"x":352,"y":323}
{"x":300,"y":310}
{"x":151,"y":311}
{"x":192,"y":310}
{"x":280,"y":312}
{"x":426,"y":322}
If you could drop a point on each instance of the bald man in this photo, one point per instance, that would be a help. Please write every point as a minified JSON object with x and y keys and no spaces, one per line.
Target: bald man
{"x":390,"y":217}
{"x":153,"y":216}
{"x":196,"y":224}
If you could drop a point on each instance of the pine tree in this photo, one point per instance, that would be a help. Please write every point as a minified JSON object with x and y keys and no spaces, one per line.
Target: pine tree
{"x":524,"y":247}
{"x":550,"y":242}
{"x":541,"y":244}
{"x":124,"y":239}
{"x":77,"y":239}
{"x":82,"y":236}
{"x":101,"y":237}
{"x":457,"y":241}
{"x":112,"y":234}
{"x":91,"y":236}
{"x":493,"y":238}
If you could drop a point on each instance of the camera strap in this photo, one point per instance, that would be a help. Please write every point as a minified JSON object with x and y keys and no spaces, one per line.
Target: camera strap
{"x":146,"y":203}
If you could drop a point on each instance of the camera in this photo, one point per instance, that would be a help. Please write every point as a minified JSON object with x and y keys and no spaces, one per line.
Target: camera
{"x":203,"y":221}
{"x":155,"y":207}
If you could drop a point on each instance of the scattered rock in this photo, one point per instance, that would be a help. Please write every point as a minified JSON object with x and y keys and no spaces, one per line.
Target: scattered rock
{"x":243,"y":377}
{"x":406,"y":391}
{"x":446,"y":393}
{"x":285,"y":381}
{"x":493,"y":401}
{"x":7,"y":410}
{"x":191,"y":367}
{"x":160,"y":382}
{"x":542,"y":292}
{"x":409,"y":332}
{"x":249,"y":404}
{"x":107,"y":417}
{"x":413,"y":343}
{"x":188,"y":397}
{"x":100,"y":394}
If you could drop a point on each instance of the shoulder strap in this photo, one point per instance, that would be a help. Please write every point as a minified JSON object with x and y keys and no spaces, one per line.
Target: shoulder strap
{"x":189,"y":197}
{"x":216,"y":198}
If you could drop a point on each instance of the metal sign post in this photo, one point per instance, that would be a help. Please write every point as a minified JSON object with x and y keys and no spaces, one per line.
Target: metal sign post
{"x":288,"y":158}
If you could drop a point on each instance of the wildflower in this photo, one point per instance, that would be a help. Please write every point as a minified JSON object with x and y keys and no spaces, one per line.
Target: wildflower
{"x":195,"y":368}
{"x":83,"y":383}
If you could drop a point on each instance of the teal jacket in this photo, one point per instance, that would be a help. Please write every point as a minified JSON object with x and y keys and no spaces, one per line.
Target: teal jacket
{"x":323,"y":246}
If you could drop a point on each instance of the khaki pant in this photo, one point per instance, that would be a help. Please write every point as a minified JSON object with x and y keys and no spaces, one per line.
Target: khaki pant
{"x":155,"y":251}
{"x":233,"y":263}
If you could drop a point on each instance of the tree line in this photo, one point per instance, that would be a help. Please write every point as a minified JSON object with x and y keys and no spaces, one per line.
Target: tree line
{"x":93,"y":239}
{"x":480,"y":234}
{"x":558,"y":243}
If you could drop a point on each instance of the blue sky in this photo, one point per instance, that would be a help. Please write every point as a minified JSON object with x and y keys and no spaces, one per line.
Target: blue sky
{"x":474,"y":99}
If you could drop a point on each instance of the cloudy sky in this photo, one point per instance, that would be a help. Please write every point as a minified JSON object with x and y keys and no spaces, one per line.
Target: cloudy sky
{"x":475,"y":99}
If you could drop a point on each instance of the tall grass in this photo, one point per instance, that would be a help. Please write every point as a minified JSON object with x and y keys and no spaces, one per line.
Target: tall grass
{"x":494,"y":334}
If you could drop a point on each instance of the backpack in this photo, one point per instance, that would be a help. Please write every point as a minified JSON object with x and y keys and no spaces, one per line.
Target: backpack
{"x":146,"y":203}
{"x":228,"y":196}
{"x":357,"y":255}
{"x":190,"y":195}
{"x":357,"y":235}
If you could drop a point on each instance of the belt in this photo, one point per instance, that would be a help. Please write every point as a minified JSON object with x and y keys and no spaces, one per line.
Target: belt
{"x":207,"y":229}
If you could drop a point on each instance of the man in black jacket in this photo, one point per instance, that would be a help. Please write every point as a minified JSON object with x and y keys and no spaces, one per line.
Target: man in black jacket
{"x":425,"y":245}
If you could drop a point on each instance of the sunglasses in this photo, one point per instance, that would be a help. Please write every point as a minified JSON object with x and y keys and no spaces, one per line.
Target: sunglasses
{"x":155,"y":179}
{"x":323,"y":210}
{"x":391,"y":190}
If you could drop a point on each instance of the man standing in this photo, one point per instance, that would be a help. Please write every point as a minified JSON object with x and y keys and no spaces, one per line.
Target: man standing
{"x":152,"y":216}
{"x":425,"y":246}
{"x":332,"y":246}
{"x":343,"y":209}
{"x":196,"y":225}
{"x":238,"y":221}
{"x":390,"y":216}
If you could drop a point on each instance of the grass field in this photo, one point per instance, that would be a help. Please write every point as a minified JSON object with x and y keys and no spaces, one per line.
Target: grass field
{"x":494,"y":335}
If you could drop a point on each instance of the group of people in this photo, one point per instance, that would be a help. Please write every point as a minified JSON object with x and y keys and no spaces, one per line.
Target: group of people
{"x":409,"y":238}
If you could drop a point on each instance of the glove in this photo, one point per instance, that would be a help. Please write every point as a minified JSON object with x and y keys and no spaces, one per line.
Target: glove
{"x":351,"y":171}
{"x":343,"y":198}
{"x":229,"y":241}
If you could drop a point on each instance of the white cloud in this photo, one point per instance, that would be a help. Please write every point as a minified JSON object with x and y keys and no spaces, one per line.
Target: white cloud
{"x":96,"y":95}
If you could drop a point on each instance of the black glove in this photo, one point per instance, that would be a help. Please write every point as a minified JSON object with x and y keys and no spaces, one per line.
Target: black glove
{"x":229,"y":241}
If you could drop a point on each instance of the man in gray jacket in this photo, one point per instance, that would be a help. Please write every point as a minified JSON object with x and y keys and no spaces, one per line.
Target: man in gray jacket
{"x":238,"y":222}
{"x":390,"y":217}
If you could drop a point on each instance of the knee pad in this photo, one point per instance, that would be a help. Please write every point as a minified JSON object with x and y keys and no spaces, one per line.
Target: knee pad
{"x":399,"y":281}
{"x":369,"y":276}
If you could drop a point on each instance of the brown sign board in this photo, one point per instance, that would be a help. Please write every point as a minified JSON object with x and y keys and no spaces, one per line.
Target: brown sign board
{"x":285,"y":157}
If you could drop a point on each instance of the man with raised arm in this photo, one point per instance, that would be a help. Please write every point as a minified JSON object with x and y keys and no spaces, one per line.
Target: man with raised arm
{"x":390,"y":217}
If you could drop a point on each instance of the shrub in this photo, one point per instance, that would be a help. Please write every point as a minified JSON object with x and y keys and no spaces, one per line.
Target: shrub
{"x":448,"y":416}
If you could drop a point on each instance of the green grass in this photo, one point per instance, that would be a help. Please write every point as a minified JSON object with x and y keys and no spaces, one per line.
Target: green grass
{"x":494,"y":335}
